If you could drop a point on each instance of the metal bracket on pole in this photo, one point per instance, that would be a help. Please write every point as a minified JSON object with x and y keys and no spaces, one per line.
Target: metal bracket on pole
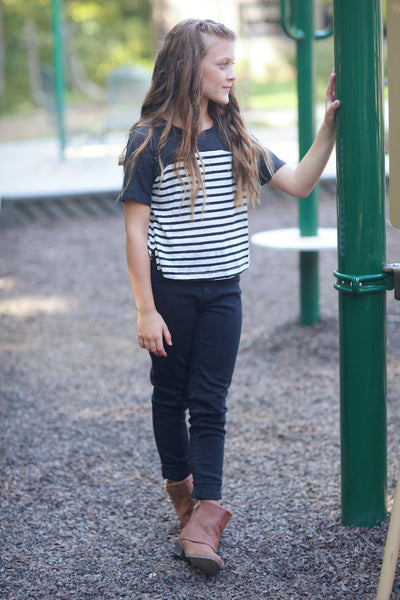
{"x":363,"y":284}
{"x":366,"y":284}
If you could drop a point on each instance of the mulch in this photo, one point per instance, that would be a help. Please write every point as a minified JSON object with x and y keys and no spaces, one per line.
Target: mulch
{"x":83,"y":513}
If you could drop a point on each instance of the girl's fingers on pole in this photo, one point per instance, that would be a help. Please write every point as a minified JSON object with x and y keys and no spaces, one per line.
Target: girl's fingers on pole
{"x":330,"y":92}
{"x":332,"y":103}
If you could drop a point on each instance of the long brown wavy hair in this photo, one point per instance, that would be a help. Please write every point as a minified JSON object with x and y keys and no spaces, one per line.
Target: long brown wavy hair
{"x":176,"y":89}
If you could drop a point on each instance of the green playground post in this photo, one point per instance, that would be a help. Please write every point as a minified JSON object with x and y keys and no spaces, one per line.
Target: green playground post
{"x":361,"y":258}
{"x":58,"y":70}
{"x":298,"y":24}
{"x":308,"y":207}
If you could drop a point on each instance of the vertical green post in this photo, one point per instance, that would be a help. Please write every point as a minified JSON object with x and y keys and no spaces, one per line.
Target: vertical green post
{"x":302,"y":14}
{"x":308,"y":207}
{"x":58,"y":69}
{"x":361,"y":251}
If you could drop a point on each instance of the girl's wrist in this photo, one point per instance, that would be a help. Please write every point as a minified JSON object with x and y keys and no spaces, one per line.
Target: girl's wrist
{"x":328,"y":126}
{"x":145,"y":311}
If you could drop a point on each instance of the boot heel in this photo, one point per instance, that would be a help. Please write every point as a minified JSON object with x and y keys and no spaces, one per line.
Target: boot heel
{"x":178,"y":549}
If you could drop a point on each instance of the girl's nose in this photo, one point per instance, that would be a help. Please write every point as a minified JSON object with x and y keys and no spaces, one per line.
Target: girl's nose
{"x":232,"y":75}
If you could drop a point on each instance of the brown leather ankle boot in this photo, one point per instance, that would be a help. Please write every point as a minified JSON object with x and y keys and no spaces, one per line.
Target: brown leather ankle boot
{"x":180,"y":493}
{"x":199,"y":540}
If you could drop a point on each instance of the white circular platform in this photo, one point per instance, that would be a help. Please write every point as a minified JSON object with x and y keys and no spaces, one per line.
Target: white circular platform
{"x":291,"y":239}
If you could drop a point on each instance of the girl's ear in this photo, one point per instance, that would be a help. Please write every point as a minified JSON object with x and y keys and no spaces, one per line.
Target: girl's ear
{"x":179,"y":64}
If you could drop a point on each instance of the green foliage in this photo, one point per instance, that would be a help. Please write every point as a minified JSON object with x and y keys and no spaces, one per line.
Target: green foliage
{"x":16,"y":13}
{"x":103,"y":34}
{"x":109,"y":33}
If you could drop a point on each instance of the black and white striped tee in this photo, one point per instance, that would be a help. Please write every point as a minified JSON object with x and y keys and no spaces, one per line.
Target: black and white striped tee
{"x":211,"y":244}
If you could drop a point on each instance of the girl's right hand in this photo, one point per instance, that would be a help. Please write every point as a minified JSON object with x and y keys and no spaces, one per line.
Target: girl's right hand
{"x":152,"y":331}
{"x":331,"y":102}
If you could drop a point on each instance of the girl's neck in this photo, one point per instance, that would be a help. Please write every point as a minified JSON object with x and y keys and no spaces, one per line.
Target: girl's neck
{"x":206,"y":121}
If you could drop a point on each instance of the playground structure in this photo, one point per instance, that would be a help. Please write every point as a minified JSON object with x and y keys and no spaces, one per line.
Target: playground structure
{"x":362,"y":275}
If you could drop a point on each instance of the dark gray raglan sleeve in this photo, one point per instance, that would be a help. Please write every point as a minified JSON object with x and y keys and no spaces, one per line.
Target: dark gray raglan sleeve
{"x":263,"y":169}
{"x":138,"y":182}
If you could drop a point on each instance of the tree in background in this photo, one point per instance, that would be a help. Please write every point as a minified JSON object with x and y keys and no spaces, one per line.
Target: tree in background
{"x":99,"y":36}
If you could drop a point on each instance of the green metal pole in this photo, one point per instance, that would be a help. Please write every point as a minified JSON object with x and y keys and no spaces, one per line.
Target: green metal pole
{"x":302,"y":13}
{"x":58,"y":68}
{"x":361,"y":252}
{"x":308,"y":207}
{"x":300,"y":27}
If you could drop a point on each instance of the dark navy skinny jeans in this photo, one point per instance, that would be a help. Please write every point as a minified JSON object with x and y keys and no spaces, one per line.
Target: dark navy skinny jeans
{"x":204,"y":319}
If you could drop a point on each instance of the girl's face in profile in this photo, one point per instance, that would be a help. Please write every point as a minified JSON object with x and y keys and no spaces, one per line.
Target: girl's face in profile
{"x":217,"y":74}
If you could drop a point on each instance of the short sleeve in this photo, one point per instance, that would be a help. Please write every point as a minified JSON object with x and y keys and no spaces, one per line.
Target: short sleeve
{"x":263,"y":169}
{"x":138,"y":182}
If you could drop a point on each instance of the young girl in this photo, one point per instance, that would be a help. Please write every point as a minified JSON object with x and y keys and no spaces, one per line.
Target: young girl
{"x":191,"y":169}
